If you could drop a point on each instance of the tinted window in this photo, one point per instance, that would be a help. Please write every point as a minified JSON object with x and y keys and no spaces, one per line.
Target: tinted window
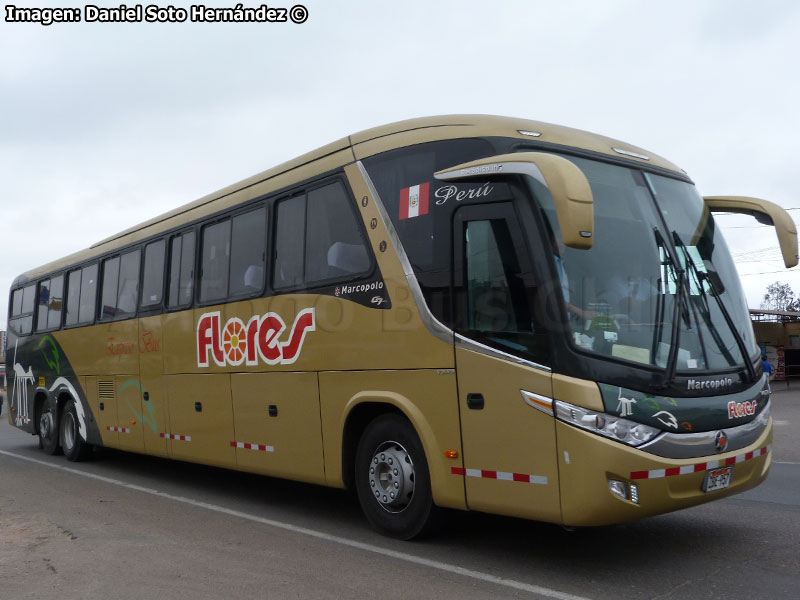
{"x":186,"y":287}
{"x":248,"y":252}
{"x":181,"y":270}
{"x":16,"y":303}
{"x":28,"y":296}
{"x":128,"y":290}
{"x":23,"y":323}
{"x":495,"y":290}
{"x":56,"y":302}
{"x":73,"y":297}
{"x":216,"y":256}
{"x":153,"y":277}
{"x":42,"y":305}
{"x":108,"y":305}
{"x":334,"y":246}
{"x":289,"y":242}
{"x":88,"y":294}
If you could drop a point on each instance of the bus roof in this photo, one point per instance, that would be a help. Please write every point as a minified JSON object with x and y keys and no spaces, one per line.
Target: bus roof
{"x":356,"y":147}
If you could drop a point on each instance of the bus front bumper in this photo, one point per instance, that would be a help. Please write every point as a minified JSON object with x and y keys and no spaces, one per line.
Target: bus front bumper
{"x":595,"y":473}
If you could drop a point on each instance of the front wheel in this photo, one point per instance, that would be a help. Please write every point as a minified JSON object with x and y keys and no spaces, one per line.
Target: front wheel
{"x":392,"y":478}
{"x":75,"y":449}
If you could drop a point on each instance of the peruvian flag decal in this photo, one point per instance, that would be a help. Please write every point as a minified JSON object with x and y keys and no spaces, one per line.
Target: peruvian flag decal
{"x":414,"y":201}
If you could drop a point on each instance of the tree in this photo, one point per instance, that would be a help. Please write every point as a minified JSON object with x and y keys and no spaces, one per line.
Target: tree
{"x":780,"y":296}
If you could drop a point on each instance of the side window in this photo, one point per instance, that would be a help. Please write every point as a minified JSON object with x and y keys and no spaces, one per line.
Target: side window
{"x":108,"y":300}
{"x":491,"y":273}
{"x":334,"y":247}
{"x":43,"y":305}
{"x":120,"y":286}
{"x":290,"y":227}
{"x":56,"y":302}
{"x":16,"y":303}
{"x":88,"y":294}
{"x":28,"y":295}
{"x":73,"y":297}
{"x":181,"y":270}
{"x":216,"y":252}
{"x":48,"y":312}
{"x":128,"y":290}
{"x":331,"y":246}
{"x":248,"y":252}
{"x":153,"y":277}
{"x":495,"y":289}
{"x":23,"y":304}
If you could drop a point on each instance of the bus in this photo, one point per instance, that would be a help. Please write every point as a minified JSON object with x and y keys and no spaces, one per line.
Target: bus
{"x":460,"y":312}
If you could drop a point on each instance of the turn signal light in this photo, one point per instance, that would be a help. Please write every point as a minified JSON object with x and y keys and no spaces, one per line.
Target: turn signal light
{"x":451,"y":453}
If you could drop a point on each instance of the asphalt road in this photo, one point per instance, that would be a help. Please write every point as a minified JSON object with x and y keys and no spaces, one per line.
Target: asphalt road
{"x":127,"y":526}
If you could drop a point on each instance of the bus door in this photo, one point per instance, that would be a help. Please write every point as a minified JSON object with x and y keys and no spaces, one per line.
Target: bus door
{"x":153,"y":413}
{"x":508,"y":431}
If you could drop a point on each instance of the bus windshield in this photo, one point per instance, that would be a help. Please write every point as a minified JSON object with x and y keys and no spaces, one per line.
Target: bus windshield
{"x":655,"y":246}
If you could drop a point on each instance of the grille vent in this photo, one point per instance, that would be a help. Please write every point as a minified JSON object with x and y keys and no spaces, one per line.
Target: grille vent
{"x":105,"y":390}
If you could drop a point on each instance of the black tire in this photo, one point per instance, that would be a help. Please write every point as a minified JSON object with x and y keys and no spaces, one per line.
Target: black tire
{"x":75,"y":449}
{"x":390,"y":460}
{"x":48,"y":430}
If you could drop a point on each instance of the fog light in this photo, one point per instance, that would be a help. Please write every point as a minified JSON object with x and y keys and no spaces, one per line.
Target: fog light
{"x":625,"y":490}
{"x":619,"y":488}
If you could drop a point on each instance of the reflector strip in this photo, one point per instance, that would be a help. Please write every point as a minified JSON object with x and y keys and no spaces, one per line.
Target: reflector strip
{"x":503,"y":476}
{"x":696,"y":468}
{"x":260,"y":447}
{"x":170,"y":436}
{"x":119,"y":429}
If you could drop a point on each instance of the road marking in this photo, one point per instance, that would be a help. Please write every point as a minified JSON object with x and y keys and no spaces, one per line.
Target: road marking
{"x":426,"y":562}
{"x":785,"y":463}
{"x":780,"y":422}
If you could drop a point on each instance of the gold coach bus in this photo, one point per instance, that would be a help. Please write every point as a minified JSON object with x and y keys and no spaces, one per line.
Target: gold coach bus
{"x":468,"y":312}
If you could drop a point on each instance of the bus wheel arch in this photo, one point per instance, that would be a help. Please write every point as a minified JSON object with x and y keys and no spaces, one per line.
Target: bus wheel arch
{"x":391,"y":477}
{"x":358,"y":419}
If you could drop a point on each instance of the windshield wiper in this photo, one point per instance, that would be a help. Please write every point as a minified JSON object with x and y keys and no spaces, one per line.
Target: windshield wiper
{"x":678,"y":311}
{"x":702,"y":277}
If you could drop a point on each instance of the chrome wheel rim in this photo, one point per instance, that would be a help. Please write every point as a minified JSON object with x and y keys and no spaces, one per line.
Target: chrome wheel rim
{"x":391,"y":477}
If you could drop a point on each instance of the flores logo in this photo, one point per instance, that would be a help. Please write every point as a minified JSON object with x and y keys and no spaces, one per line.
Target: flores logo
{"x":741,"y":409}
{"x":237,"y":343}
{"x":709,"y":384}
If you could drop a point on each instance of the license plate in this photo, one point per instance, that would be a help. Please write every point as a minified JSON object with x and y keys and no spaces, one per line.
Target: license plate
{"x":718,"y":479}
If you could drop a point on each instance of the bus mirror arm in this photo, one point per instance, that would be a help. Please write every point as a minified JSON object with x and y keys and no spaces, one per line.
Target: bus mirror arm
{"x":568,"y":185}
{"x":765,"y":212}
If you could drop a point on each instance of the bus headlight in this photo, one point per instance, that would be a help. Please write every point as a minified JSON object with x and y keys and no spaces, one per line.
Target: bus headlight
{"x":615,"y":428}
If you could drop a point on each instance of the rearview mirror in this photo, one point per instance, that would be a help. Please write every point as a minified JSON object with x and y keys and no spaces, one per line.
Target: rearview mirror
{"x":765,"y":212}
{"x":567,"y":184}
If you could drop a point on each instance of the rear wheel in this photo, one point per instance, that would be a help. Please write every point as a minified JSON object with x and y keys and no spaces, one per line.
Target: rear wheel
{"x":48,"y":430}
{"x":75,"y":449}
{"x":392,"y":478}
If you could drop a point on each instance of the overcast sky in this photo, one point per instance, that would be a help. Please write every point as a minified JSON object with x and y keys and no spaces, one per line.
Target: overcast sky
{"x":103,"y":126}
